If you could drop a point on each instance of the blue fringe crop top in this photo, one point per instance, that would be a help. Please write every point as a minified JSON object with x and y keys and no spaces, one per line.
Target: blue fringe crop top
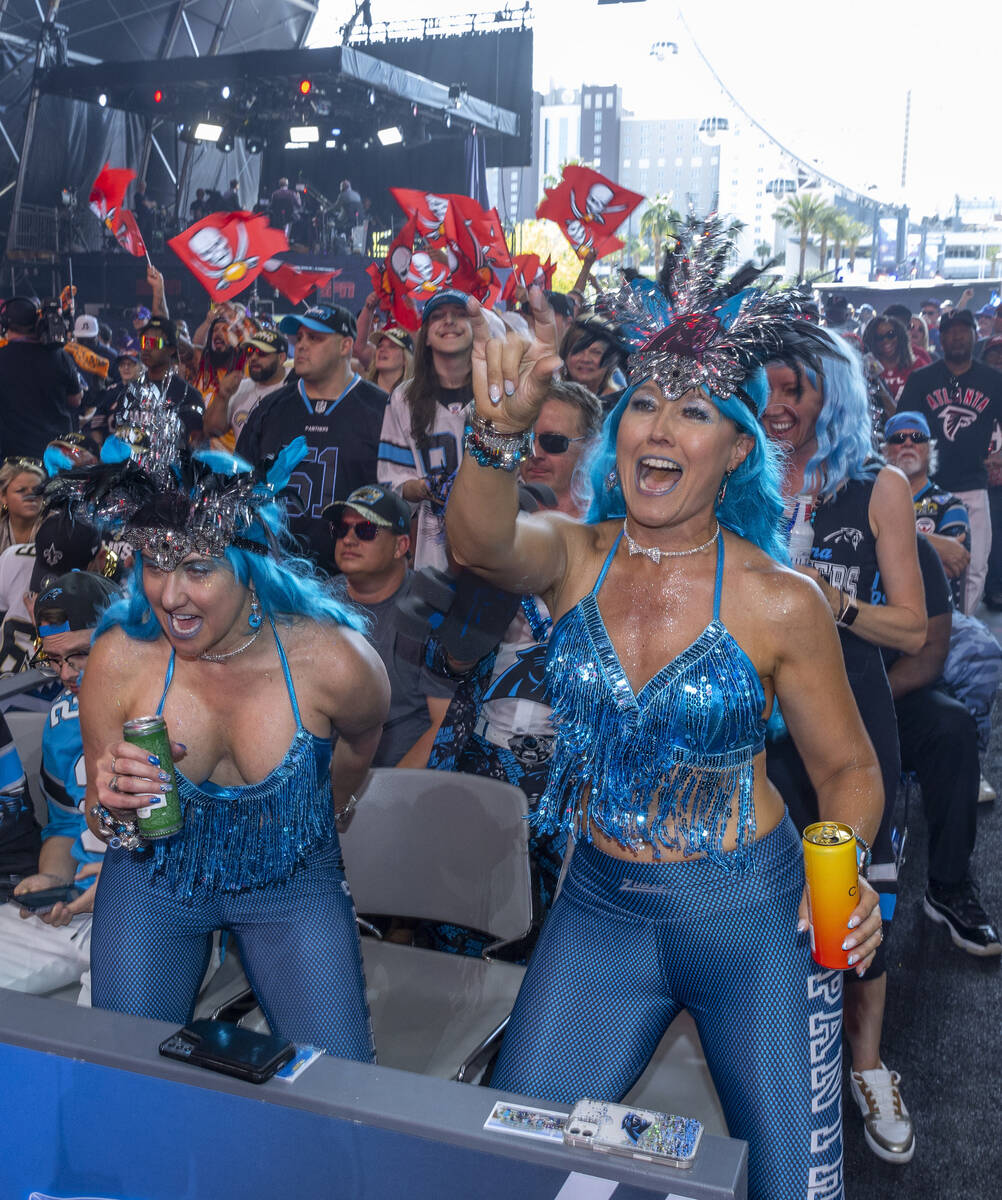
{"x":661,"y":767}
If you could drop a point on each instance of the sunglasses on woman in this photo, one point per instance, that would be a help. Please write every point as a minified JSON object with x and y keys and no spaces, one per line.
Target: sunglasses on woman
{"x":365,"y":531}
{"x":908,"y":435}
{"x":555,"y":443}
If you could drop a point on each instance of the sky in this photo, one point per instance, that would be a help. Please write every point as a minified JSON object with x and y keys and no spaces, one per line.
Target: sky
{"x":828,"y":81}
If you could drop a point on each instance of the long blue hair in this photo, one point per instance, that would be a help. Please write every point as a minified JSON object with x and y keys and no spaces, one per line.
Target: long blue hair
{"x":843,"y":429}
{"x":752,"y":506}
{"x":287,"y":587}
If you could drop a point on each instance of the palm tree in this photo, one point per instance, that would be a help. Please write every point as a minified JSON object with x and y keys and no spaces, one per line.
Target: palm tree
{"x":659,"y":221}
{"x":827,"y":226}
{"x":840,"y":226}
{"x":763,"y":251}
{"x":801,"y":212}
{"x":855,"y":231}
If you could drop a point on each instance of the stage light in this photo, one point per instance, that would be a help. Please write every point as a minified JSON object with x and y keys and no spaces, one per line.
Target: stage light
{"x":254,"y":143}
{"x":297,"y":145}
{"x":372,"y":96}
{"x":305,"y":87}
{"x":391,"y":136}
{"x":207,"y":132}
{"x":448,"y":120}
{"x":158,"y":96}
{"x":366,"y":145}
{"x":335,"y":132}
{"x":103,"y":100}
{"x":224,"y":91}
{"x":331,"y":144}
{"x":224,"y":142}
{"x":304,"y":133}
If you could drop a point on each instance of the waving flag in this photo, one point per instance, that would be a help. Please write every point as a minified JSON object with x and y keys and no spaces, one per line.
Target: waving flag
{"x":109,"y":190}
{"x":294,"y":282}
{"x":390,"y":281}
{"x":429,"y":211}
{"x":122,"y":224}
{"x":589,"y":208}
{"x":478,"y":241}
{"x":226,"y":251}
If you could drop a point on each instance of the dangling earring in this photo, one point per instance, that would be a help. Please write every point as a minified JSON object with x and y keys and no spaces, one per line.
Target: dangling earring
{"x":254,"y":620}
{"x":612,"y":480}
{"x":723,"y":487}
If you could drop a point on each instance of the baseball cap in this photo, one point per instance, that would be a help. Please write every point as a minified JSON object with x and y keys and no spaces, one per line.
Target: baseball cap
{"x":322,"y":318}
{"x":142,"y":313}
{"x":129,"y":349}
{"x":445,"y":296}
{"x":85,"y":326}
{"x":81,"y":596}
{"x":399,"y":336}
{"x":929,"y":302}
{"x":988,"y":310}
{"x":956,"y":316}
{"x":906,"y":420}
{"x":162,"y":326}
{"x":382,"y":506}
{"x":268,"y":340}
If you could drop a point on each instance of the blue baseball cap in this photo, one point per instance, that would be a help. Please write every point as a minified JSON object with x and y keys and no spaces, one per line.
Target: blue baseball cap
{"x":445,"y":296}
{"x":323,"y":318}
{"x":987,"y":310}
{"x":907,"y":420}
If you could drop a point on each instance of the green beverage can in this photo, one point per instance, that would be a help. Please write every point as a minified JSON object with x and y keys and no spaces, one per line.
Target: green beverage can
{"x":162,"y":817}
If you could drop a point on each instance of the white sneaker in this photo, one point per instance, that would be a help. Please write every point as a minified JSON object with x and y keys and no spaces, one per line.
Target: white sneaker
{"x":886,"y":1123}
{"x":986,"y":793}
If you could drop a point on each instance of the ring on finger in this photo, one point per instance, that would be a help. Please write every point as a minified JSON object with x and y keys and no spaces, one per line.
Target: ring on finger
{"x":114,"y":768}
{"x":113,"y":783}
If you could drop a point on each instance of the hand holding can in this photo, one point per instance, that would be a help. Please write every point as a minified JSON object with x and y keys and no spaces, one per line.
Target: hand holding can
{"x":830,"y":864}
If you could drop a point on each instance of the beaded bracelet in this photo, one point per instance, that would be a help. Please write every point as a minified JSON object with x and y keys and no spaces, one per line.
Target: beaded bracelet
{"x":118,"y":832}
{"x":491,"y":447}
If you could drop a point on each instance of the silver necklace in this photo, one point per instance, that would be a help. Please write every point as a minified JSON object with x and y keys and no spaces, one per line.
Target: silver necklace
{"x":230,"y":653}
{"x":656,"y":555}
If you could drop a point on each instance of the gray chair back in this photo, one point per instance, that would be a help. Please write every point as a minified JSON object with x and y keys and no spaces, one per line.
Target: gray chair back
{"x":26,"y":729}
{"x":441,"y":846}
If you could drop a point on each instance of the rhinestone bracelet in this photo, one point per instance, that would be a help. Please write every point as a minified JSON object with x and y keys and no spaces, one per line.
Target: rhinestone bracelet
{"x":491,"y":447}
{"x":116,"y":831}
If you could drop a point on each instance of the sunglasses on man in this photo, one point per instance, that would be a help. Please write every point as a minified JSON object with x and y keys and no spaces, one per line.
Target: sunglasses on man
{"x":554,"y":443}
{"x":908,"y":435}
{"x":152,"y":341}
{"x":365,"y":531}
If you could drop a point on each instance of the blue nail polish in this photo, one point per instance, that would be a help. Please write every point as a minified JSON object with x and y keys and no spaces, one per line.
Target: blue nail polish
{"x":154,"y":760}
{"x":848,"y":944}
{"x":853,"y":922}
{"x":852,"y":958}
{"x":182,"y":745}
{"x":164,"y":777}
{"x":509,"y":388}
{"x":165,"y":787}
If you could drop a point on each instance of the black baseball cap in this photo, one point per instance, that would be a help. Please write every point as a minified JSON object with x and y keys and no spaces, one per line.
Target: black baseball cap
{"x":445,"y":296}
{"x":81,"y":597}
{"x":957,"y":316}
{"x":381,"y":505}
{"x":162,"y":326}
{"x":268,"y":340}
{"x":397,"y":335}
{"x":322,"y":318}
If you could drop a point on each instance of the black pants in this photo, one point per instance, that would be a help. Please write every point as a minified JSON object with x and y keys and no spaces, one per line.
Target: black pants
{"x":993,"y":583}
{"x":939,"y":742}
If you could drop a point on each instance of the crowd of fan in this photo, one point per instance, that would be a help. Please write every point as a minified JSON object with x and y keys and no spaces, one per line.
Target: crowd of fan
{"x":383,"y":414}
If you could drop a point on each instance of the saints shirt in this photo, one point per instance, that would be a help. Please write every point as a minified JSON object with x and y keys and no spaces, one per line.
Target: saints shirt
{"x":342,"y":437}
{"x":962,"y":411}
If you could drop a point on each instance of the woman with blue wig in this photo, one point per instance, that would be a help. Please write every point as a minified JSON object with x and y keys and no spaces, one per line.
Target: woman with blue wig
{"x":676,"y":631}
{"x":851,"y":526}
{"x":255,"y":669}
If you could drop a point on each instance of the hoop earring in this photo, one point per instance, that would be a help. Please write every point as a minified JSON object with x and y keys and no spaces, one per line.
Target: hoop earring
{"x":723,"y":487}
{"x":612,"y":480}
{"x":255,"y":618}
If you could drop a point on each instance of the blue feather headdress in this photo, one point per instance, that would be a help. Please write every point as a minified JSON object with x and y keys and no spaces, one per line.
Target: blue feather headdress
{"x":693,"y":329}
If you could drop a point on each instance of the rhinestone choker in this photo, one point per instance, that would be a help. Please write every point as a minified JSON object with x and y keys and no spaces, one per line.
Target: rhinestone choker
{"x":656,"y":555}
{"x":239,"y":650}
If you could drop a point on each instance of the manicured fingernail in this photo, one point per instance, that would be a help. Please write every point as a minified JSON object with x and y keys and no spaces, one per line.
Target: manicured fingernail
{"x":852,"y":958}
{"x":509,"y":388}
{"x":182,"y":745}
{"x":495,"y":393}
{"x":165,"y":777}
{"x":853,"y":922}
{"x":802,"y":925}
{"x":155,"y":760}
{"x":165,"y":787}
{"x":848,"y":943}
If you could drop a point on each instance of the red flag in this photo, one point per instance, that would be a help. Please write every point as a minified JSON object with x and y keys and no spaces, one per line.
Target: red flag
{"x":477,"y":240}
{"x":524,"y":270}
{"x":429,"y":211}
{"x":589,"y":208}
{"x":123,"y":225}
{"x":109,"y":190}
{"x":296,"y":283}
{"x":391,"y":281}
{"x":227,"y":251}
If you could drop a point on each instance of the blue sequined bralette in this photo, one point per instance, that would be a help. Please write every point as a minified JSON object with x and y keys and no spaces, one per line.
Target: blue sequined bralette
{"x":258,"y":833}
{"x":690,"y":735}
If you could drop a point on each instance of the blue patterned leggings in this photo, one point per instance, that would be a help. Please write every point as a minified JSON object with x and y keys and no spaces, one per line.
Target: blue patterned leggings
{"x":298,"y":942}
{"x":628,"y":945}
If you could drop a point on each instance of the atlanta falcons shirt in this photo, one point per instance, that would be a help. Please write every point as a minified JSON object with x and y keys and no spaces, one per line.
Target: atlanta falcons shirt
{"x":962,"y":411}
{"x":342,"y":436}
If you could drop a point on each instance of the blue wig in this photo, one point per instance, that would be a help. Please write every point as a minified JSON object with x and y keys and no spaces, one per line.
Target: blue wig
{"x":752,"y":506}
{"x":843,"y":429}
{"x":287,"y":587}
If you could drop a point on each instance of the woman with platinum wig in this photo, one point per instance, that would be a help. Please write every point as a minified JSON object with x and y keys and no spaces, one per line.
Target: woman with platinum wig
{"x":677,"y":630}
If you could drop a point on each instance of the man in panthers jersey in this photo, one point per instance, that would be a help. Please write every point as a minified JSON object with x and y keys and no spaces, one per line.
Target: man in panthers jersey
{"x":49,"y":949}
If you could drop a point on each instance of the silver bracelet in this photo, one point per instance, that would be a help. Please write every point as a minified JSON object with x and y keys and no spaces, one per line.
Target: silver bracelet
{"x":492,"y":447}
{"x":348,"y":809}
{"x":117,"y":832}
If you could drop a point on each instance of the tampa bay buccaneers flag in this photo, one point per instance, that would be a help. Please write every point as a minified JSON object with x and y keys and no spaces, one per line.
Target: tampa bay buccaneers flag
{"x":477,"y":240}
{"x":122,"y":224}
{"x":589,"y":209}
{"x":108,"y":191}
{"x":226,"y":251}
{"x":526,"y":270}
{"x":390,"y":281}
{"x":295,"y":282}
{"x":429,"y":212}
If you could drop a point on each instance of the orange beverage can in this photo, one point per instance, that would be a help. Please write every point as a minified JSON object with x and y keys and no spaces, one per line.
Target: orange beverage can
{"x":832,"y":889}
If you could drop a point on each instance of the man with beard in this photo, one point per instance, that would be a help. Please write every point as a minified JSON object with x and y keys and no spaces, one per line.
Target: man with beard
{"x":267,"y":367}
{"x":216,"y":368}
{"x":961,"y":400}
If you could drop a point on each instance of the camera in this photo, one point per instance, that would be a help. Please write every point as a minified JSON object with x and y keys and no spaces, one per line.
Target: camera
{"x":51,"y":328}
{"x":45,"y":321}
